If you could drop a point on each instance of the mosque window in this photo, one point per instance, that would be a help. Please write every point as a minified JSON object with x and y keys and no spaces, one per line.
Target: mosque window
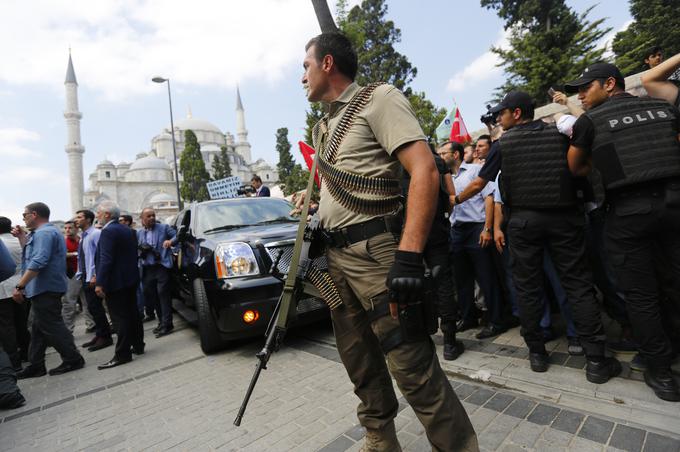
{"x":267,"y":176}
{"x":108,"y":174}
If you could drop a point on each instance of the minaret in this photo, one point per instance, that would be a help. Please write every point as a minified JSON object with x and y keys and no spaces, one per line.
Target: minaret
{"x":242,"y":145}
{"x":73,"y":147}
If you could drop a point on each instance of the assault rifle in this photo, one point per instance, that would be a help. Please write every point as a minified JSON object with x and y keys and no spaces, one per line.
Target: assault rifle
{"x":300,"y":264}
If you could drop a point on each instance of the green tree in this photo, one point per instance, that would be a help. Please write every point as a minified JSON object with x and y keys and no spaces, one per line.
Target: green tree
{"x":192,"y":167}
{"x":549,"y":44}
{"x":286,"y":161}
{"x":373,"y":38}
{"x":296,"y":180}
{"x":428,"y":114}
{"x":220,"y":166}
{"x":656,"y":23}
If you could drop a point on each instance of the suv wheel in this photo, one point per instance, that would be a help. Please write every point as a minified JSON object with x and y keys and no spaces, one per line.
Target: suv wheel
{"x":211,"y":340}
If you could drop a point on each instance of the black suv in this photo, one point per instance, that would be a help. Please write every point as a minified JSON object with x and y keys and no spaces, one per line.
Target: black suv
{"x":230,"y":261}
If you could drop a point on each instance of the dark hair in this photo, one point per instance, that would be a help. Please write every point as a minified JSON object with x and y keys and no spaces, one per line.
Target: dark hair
{"x":5,"y":225}
{"x":528,"y":114}
{"x":485,"y":137}
{"x":652,"y":51}
{"x":87,"y":214}
{"x":620,"y":83}
{"x":456,"y":147}
{"x":127,"y":218}
{"x":40,"y":208}
{"x":340,"y":48}
{"x":69,"y":222}
{"x":256,"y":178}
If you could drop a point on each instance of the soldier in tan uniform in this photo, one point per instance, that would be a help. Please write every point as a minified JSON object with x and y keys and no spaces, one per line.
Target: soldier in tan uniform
{"x":364,"y":140}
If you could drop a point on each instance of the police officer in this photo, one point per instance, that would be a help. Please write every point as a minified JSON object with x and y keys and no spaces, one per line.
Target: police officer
{"x":366,"y":136}
{"x":633,"y":143}
{"x":540,"y":195}
{"x":436,"y":254}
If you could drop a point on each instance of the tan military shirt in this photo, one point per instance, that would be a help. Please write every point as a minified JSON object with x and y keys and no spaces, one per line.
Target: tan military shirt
{"x":386,"y":123}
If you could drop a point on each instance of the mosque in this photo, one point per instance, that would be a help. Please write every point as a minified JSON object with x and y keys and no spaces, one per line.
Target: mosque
{"x":149,"y":181}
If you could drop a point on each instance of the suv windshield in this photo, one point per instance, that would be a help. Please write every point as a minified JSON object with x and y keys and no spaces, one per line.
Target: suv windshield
{"x":241,"y":212}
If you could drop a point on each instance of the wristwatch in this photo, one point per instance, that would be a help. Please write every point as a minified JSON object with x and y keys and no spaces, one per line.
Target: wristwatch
{"x":456,"y":199}
{"x":19,"y":288}
{"x":487,"y":229}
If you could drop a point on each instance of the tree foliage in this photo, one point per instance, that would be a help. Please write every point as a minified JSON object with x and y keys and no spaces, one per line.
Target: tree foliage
{"x":286,"y":161}
{"x":220,"y":166}
{"x":656,"y":23}
{"x":549,"y":44}
{"x":192,"y":167}
{"x":373,"y":38}
{"x":296,"y":180}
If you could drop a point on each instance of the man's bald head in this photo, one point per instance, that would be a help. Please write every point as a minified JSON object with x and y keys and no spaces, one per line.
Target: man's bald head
{"x":148,"y":217}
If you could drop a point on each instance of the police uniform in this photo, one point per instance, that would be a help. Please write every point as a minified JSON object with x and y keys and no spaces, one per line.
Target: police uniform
{"x":539,"y":193}
{"x":633,"y":143}
{"x":436,"y":256}
{"x":363,"y":234}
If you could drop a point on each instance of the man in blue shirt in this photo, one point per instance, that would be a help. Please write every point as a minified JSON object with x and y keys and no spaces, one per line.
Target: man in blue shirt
{"x":472,"y":258}
{"x":155,"y":241}
{"x":87,"y":276}
{"x":43,"y":282}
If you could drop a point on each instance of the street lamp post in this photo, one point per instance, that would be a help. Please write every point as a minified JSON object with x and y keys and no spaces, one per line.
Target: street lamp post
{"x":174,"y":146}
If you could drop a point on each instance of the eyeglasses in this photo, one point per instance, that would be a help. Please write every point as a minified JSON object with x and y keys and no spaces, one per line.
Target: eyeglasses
{"x":26,"y":213}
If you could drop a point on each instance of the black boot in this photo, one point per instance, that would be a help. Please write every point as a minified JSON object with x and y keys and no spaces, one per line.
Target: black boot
{"x":538,"y":361}
{"x":452,"y":348}
{"x":11,"y":400}
{"x":662,"y":382}
{"x":600,"y":369}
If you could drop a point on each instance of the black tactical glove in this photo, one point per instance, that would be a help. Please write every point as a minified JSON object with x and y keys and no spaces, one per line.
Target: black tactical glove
{"x":406,"y":277}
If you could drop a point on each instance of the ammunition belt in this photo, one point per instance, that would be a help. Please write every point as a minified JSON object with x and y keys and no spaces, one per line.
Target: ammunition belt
{"x":325,"y":285}
{"x":340,"y":183}
{"x":357,"y":204}
{"x":351,"y":181}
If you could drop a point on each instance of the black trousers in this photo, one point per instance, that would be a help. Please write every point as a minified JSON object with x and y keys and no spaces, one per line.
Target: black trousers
{"x":470,"y":262}
{"x":123,"y":310}
{"x":8,"y":334}
{"x":437,"y":258}
{"x":640,"y":230}
{"x":156,"y":285}
{"x":96,"y":307}
{"x":561,"y":231}
{"x":21,"y":327}
{"x":48,"y":329}
{"x":8,"y":379}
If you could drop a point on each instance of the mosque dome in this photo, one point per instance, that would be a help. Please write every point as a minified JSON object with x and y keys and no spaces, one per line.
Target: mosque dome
{"x":150,"y":162}
{"x":107,"y":163}
{"x":196,"y":124}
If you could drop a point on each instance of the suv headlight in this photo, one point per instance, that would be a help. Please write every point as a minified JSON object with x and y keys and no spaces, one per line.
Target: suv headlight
{"x":235,"y":259}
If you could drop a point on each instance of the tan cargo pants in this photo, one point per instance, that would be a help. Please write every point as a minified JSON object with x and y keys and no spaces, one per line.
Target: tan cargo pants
{"x":359,"y":271}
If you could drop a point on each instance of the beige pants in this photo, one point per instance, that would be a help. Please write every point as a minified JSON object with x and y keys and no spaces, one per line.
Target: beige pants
{"x":359,"y":271}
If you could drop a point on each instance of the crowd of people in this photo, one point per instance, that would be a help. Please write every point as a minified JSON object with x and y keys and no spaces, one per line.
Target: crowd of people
{"x":545,"y":213}
{"x":117,"y":276}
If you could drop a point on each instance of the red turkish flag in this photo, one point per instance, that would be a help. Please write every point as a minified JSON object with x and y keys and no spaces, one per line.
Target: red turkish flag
{"x":459,"y":132}
{"x":308,"y":153}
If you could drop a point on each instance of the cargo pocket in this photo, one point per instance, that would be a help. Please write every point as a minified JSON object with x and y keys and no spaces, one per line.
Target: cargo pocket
{"x":517,"y":223}
{"x":672,"y":198}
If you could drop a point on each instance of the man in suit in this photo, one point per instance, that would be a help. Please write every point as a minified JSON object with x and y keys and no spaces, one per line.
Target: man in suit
{"x":260,"y":190}
{"x":117,"y":279}
{"x":155,"y":240}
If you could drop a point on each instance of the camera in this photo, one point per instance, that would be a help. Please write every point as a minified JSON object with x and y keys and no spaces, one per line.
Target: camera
{"x":488,"y":118}
{"x":145,"y":249}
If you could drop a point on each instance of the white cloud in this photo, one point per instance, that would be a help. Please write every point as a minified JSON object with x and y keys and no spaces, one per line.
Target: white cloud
{"x":12,"y":142}
{"x":606,"y":41}
{"x":118,"y":45}
{"x":484,"y":67}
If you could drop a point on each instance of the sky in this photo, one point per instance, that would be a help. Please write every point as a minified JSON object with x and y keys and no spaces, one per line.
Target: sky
{"x":206,"y":48}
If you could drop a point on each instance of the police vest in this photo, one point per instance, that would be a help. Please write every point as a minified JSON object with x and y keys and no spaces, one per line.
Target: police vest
{"x":636,"y":140}
{"x":535,"y":174}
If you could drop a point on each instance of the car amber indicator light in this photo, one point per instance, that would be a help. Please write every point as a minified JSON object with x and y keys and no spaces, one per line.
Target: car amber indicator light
{"x":221,"y":268}
{"x":250,"y":316}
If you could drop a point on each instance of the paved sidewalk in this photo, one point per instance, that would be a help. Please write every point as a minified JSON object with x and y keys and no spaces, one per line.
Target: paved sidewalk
{"x":175,"y":398}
